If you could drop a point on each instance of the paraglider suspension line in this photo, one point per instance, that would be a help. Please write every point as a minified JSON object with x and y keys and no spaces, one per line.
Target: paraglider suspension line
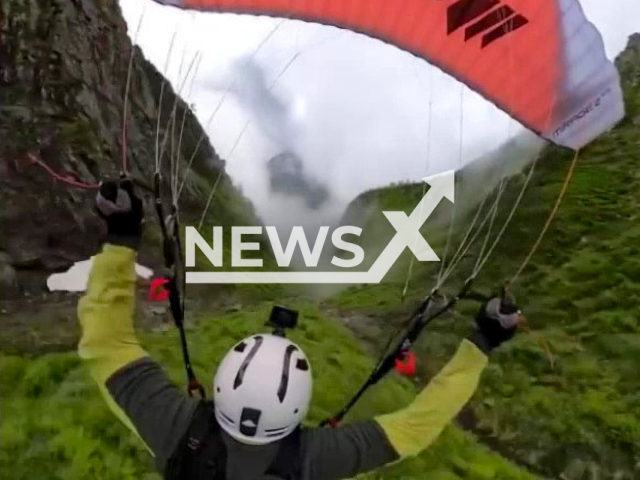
{"x":172,"y":245}
{"x":419,"y":320}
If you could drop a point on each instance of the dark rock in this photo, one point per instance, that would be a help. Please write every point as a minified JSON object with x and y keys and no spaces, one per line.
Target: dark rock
{"x":287,"y":176}
{"x":8,"y":278}
{"x":63,"y":70}
{"x":233,"y":308}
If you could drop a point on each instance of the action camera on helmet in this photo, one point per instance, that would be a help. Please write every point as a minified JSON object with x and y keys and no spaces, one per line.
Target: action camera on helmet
{"x":282,"y":318}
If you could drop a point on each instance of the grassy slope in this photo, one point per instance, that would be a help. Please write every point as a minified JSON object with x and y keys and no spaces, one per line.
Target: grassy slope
{"x":581,"y":418}
{"x":55,"y":425}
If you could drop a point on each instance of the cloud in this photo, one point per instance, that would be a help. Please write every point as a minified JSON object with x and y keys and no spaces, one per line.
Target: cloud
{"x":360,"y":113}
{"x":247,"y":81}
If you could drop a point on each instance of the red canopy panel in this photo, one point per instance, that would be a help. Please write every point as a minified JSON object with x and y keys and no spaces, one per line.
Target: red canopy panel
{"x":540,"y":61}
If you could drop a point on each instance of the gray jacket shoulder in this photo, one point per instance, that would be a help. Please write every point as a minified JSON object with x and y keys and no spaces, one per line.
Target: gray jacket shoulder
{"x":345,"y":451}
{"x":160,"y":411}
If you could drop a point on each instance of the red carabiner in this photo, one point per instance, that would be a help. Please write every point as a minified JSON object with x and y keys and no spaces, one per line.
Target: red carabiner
{"x":406,"y":364}
{"x":157,"y":291}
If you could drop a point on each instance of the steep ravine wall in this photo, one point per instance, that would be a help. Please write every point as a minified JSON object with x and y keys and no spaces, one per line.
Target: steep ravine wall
{"x":63,"y":71}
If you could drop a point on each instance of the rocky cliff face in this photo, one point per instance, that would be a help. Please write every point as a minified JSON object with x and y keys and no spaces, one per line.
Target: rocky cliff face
{"x":63,"y":71}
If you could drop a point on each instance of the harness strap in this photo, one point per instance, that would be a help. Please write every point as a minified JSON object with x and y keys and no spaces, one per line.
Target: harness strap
{"x":202,"y":454}
{"x":287,"y":464}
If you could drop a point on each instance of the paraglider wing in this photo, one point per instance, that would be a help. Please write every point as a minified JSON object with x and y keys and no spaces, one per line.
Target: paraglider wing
{"x":542,"y":62}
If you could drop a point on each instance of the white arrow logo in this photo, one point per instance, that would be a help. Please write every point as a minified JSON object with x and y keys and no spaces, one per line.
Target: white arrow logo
{"x":407,"y":235}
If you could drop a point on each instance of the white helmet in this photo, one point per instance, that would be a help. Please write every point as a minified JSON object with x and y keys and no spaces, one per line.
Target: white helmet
{"x":262,"y":389}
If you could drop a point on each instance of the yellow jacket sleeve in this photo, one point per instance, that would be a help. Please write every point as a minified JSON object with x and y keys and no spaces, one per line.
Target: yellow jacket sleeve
{"x":415,"y":427}
{"x":108,"y":340}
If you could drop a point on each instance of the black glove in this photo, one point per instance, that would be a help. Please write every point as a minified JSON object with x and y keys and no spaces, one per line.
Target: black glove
{"x":497,"y":322}
{"x":123,"y":211}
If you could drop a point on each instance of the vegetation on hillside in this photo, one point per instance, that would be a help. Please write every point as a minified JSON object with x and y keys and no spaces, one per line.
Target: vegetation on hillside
{"x":575,"y":416}
{"x":56,"y":426}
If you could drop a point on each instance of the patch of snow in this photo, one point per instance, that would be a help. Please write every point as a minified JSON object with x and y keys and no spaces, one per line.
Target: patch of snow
{"x":76,"y":278}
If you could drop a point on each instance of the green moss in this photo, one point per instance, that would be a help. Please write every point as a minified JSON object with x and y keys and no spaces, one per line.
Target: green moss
{"x":55,"y":424}
{"x":11,"y":371}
